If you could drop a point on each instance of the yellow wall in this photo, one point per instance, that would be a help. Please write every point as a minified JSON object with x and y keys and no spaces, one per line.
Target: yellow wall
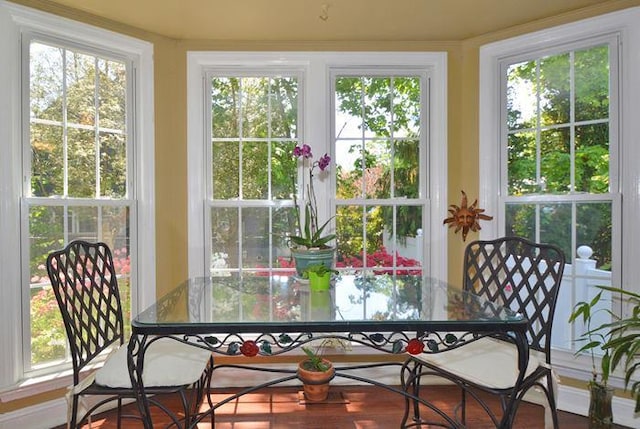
{"x":171,"y":131}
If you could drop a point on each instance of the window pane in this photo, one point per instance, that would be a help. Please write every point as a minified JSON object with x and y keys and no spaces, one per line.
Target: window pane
{"x":406,"y":172}
{"x":226,"y":170}
{"x":349,"y":224}
{"x":224,"y":238}
{"x":255,"y":237}
{"x":47,"y":174}
{"x":592,"y":158}
{"x":348,"y":169}
{"x":225,"y":106}
{"x":255,"y":177}
{"x":377,"y":171}
{"x":377,"y":106}
{"x":406,"y":107}
{"x":348,"y":99}
{"x":113,"y":165}
{"x":81,"y":83}
{"x":283,"y":166}
{"x":81,"y":154}
{"x":522,"y":101}
{"x":555,"y":161}
{"x":46,"y":82}
{"x":522,"y":166}
{"x":554,"y":90}
{"x":594,"y":225}
{"x":284,"y":107}
{"x":112,"y":94}
{"x":254,"y":105}
{"x":592,"y":83}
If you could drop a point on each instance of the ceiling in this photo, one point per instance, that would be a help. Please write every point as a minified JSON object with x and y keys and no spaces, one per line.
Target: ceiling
{"x":319,"y":20}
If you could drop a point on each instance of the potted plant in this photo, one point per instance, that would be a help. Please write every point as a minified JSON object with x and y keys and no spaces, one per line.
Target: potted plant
{"x":620,"y":342}
{"x":315,"y":371}
{"x":309,"y":245}
{"x":319,"y":276}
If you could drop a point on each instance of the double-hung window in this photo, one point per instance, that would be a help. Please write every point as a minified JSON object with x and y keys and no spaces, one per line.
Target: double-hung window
{"x":80,"y":133}
{"x":557,"y":144}
{"x":371,"y":113}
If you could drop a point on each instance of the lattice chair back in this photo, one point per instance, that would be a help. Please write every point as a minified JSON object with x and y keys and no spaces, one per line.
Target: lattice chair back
{"x":519,"y":274}
{"x":84,"y":281}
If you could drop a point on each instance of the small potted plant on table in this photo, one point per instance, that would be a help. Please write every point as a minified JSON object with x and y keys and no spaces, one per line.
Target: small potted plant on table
{"x":316,"y":371}
{"x":319,"y":276}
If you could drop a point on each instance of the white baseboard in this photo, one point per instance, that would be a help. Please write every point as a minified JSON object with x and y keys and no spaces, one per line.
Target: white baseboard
{"x":576,"y":401}
{"x":54,"y":413}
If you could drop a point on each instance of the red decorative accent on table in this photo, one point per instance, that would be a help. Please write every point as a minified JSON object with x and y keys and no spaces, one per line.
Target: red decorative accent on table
{"x":415,"y":346}
{"x":249,"y":348}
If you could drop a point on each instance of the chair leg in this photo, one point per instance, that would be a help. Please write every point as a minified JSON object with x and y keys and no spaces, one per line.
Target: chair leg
{"x":119,"y":412}
{"x":74,"y":413}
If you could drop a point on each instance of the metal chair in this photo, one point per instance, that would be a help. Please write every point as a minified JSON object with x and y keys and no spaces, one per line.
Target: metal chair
{"x":525,"y":277}
{"x":85,"y":284}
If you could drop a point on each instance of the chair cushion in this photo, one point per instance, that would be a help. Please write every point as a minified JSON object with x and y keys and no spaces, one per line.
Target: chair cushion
{"x":166,"y":363}
{"x":486,"y":362}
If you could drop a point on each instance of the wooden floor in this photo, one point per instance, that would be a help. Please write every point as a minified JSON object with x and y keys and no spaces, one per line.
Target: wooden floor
{"x":357,"y":407}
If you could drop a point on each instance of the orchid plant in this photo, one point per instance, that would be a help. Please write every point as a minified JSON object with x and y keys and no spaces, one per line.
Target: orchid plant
{"x":310,"y":234}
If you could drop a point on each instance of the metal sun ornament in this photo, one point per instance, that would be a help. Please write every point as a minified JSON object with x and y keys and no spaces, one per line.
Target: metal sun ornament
{"x":465,"y":217}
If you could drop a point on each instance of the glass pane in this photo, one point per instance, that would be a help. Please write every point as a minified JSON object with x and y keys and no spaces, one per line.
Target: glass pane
{"x":225,"y":106}
{"x":593,"y":228}
{"x":82,"y":223}
{"x":555,"y":226}
{"x":255,"y":107}
{"x":81,"y":85}
{"x":283,"y":170}
{"x":226,"y":170}
{"x":555,"y":89}
{"x":113,"y":165}
{"x":255,"y":177}
{"x":348,"y":120}
{"x":45,"y":68}
{"x":48,"y":338}
{"x":406,"y":172}
{"x":522,"y":167}
{"x":406,"y":107}
{"x":592,"y":83}
{"x":520,"y":220}
{"x":555,"y":160}
{"x":592,"y":158}
{"x":224,"y":236}
{"x":377,"y":106}
{"x":284,"y":107}
{"x":350,"y":235}
{"x":348,"y":169}
{"x":283,"y":223}
{"x":47,"y":177}
{"x":81,"y":154}
{"x":255,"y":237}
{"x":377,"y":178}
{"x":112,"y":91}
{"x":522,"y":104}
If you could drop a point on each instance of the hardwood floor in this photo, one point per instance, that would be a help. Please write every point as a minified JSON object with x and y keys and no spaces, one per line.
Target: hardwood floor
{"x":357,"y":407}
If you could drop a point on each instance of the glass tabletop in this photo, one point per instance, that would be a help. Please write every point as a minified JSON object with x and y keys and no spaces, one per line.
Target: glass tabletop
{"x":277,"y":303}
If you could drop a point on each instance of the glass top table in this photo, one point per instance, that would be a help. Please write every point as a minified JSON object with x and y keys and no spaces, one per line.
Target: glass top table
{"x":279,"y":313}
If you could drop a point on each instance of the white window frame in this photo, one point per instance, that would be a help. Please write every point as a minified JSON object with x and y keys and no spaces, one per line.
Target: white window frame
{"x":317,"y":68}
{"x":14,"y":21}
{"x":625,"y":25}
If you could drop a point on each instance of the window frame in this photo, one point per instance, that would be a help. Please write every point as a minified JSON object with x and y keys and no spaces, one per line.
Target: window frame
{"x":17,"y":22}
{"x":316,"y":126}
{"x":624,"y":25}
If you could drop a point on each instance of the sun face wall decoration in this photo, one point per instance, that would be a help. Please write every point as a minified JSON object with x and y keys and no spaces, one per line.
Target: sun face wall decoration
{"x":465,"y":218}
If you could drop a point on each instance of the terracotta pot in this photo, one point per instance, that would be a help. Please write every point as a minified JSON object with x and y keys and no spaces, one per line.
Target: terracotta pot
{"x":314,"y":382}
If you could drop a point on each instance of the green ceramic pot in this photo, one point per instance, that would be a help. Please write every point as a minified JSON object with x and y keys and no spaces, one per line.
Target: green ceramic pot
{"x":306,"y":257}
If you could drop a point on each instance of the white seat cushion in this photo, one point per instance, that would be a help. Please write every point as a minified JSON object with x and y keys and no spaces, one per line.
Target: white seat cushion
{"x":486,"y":362}
{"x":166,"y":363}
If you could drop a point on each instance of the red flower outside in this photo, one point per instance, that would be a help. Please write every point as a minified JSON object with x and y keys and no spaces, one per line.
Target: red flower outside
{"x":415,"y":346}
{"x":249,"y":348}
